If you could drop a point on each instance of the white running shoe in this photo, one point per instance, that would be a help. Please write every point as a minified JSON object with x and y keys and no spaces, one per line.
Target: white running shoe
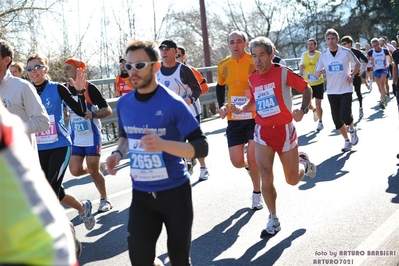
{"x":347,"y":146}
{"x":320,"y":126}
{"x":315,"y":118}
{"x":257,"y":203}
{"x":190,"y":168}
{"x":204,"y":174}
{"x":272,"y":227}
{"x":78,"y":245}
{"x":361,"y":112}
{"x":105,"y":205}
{"x":103,"y":167}
{"x":354,"y":137}
{"x":194,"y":162}
{"x":87,"y":216}
{"x":248,"y":171}
{"x":310,"y":168}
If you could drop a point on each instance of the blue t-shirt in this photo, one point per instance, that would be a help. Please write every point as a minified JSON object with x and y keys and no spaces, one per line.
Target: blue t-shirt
{"x":168,"y":116}
{"x":57,"y":135}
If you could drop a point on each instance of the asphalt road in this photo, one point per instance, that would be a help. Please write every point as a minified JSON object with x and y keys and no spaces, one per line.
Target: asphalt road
{"x":345,"y":215}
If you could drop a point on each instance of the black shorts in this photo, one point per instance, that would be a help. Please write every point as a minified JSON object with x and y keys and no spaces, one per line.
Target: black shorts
{"x":318,"y":91}
{"x":240,"y":131}
{"x":364,"y":75}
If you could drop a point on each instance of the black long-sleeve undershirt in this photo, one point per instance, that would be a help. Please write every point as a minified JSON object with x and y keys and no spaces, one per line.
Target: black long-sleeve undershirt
{"x":359,"y":56}
{"x":79,"y":107}
{"x":220,"y":94}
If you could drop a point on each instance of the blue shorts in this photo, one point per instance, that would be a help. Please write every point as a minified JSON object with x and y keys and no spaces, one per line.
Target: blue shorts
{"x":86,"y":151}
{"x":379,"y":72}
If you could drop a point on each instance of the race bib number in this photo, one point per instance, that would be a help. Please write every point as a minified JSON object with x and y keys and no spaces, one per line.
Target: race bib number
{"x":266,"y":103}
{"x":145,"y":166}
{"x":240,"y":100}
{"x":379,"y":63}
{"x":336,"y":68}
{"x":49,"y":136}
{"x":312,"y":77}
{"x":80,"y":126}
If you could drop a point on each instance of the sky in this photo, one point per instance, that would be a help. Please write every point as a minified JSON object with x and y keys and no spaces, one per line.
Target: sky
{"x":90,"y":15}
{"x":85,"y":20}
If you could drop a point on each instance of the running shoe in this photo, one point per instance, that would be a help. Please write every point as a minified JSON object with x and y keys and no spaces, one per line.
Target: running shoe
{"x":382,"y":105}
{"x":204,"y":174}
{"x":347,"y":146}
{"x":105,"y":205}
{"x":103,"y":167}
{"x":190,"y":167}
{"x":315,"y":118}
{"x":257,"y":203}
{"x":78,"y":245}
{"x":310,"y":168}
{"x":87,"y":216}
{"x":320,"y":126}
{"x":248,"y":171}
{"x":354,"y":137}
{"x":272,"y":227}
{"x":361,"y":112}
{"x":194,"y":162}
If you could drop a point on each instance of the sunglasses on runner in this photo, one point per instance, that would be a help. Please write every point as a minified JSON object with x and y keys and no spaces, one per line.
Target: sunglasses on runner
{"x":178,"y":55}
{"x":164,"y":48}
{"x":138,"y":65}
{"x":36,"y":67}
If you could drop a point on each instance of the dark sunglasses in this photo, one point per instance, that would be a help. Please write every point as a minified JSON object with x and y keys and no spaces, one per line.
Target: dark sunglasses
{"x":178,"y":55}
{"x":344,"y":43}
{"x":138,"y":65}
{"x":36,"y":67}
{"x":165,"y":48}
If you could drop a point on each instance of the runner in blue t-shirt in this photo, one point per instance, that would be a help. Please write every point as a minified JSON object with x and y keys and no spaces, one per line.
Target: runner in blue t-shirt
{"x":154,"y":123}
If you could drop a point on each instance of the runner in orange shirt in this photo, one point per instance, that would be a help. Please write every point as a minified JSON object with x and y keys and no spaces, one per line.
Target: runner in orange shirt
{"x":233,"y":72}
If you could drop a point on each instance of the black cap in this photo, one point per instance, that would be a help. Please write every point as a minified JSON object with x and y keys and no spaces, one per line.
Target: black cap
{"x":121,"y":59}
{"x":168,"y":43}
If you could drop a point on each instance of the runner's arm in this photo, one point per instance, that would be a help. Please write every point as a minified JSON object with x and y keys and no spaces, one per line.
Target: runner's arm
{"x":79,"y":107}
{"x":220,"y":94}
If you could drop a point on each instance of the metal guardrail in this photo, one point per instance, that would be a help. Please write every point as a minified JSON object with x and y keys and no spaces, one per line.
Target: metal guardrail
{"x":109,"y":123}
{"x":107,"y":86}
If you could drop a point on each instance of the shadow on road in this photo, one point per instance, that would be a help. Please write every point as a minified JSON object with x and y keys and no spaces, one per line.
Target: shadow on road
{"x":393,"y":187}
{"x":210,"y":245}
{"x":268,"y":258}
{"x":307,"y":139}
{"x":206,"y":248}
{"x":328,"y":170}
{"x":113,"y":224}
{"x":218,"y":131}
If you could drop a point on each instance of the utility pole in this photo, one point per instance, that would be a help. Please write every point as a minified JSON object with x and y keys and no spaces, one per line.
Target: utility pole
{"x":207,"y":54}
{"x":205,"y":41}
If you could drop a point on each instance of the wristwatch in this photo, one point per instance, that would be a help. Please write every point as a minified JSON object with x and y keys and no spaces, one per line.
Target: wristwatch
{"x":93,"y":114}
{"x":305,"y":109}
{"x":80,"y":93}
